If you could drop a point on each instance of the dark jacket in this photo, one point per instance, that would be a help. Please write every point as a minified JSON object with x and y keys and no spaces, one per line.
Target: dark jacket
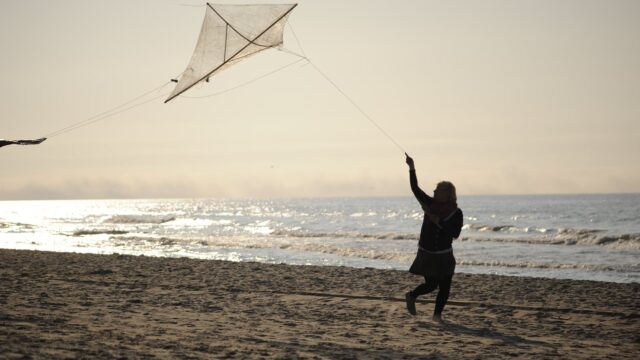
{"x":435,"y":237}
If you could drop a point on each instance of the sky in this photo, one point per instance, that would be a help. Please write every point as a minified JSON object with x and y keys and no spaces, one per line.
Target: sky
{"x":499,"y":97}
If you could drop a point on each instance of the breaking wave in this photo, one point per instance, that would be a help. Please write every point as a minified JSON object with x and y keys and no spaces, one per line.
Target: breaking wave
{"x":550,"y":237}
{"x":16,"y":226}
{"x":493,"y":228}
{"x":260,"y":243}
{"x":528,"y":230}
{"x":345,"y":234}
{"x":83,"y":232}
{"x":539,"y":265}
{"x":623,"y":242}
{"x":398,"y":256}
{"x":563,"y":236}
{"x":138,"y":219}
{"x":146,"y":240}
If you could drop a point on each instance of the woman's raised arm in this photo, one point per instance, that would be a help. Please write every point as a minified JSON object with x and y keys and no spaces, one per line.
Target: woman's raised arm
{"x":422,"y":197}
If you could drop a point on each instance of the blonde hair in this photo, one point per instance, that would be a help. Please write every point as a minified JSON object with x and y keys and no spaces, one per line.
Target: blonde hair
{"x":448,"y":185}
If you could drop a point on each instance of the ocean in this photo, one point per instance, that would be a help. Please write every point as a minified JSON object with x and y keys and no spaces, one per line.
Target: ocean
{"x":582,"y":237}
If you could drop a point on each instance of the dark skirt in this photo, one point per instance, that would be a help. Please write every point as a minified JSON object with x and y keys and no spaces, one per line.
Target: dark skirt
{"x":433,"y":265}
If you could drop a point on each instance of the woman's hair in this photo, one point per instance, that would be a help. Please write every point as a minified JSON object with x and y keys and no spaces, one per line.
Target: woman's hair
{"x":448,"y":186}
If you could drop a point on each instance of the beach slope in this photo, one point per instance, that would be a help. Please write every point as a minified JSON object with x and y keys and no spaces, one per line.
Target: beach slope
{"x":60,"y":305}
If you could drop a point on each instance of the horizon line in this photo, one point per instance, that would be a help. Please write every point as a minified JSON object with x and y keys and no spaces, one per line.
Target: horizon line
{"x":309,"y":197}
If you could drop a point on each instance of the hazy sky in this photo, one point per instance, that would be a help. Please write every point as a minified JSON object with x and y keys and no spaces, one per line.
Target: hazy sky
{"x":500,"y":97}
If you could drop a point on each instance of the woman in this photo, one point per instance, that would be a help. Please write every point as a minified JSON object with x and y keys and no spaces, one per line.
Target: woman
{"x":442,"y":223}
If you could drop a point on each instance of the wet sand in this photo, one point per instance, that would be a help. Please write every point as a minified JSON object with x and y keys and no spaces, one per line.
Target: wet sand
{"x":60,"y":305}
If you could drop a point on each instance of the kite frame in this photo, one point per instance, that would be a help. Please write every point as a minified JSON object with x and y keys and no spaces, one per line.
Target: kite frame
{"x":238,"y":52}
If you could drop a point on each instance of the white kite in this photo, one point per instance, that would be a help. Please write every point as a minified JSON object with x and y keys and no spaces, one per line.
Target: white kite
{"x":229,"y":34}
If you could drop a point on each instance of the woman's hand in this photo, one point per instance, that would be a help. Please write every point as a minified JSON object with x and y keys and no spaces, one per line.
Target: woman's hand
{"x":409,"y":162}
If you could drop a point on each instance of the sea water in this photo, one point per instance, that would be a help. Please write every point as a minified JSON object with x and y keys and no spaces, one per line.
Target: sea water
{"x":584,"y":237}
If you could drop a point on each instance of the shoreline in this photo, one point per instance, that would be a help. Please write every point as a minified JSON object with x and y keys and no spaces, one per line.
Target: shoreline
{"x":72,"y":305}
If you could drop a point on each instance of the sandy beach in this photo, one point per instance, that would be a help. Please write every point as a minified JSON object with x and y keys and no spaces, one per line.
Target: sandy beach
{"x":61,"y":305}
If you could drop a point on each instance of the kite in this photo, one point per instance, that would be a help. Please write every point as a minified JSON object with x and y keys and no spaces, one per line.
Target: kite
{"x":21,"y":142}
{"x":229,"y":34}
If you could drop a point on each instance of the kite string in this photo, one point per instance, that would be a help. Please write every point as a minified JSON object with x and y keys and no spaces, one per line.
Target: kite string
{"x":105,"y":114}
{"x":247,"y":82}
{"x":123,"y":107}
{"x":304,"y":56}
{"x":357,"y":106}
{"x":296,"y":38}
{"x":110,"y":114}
